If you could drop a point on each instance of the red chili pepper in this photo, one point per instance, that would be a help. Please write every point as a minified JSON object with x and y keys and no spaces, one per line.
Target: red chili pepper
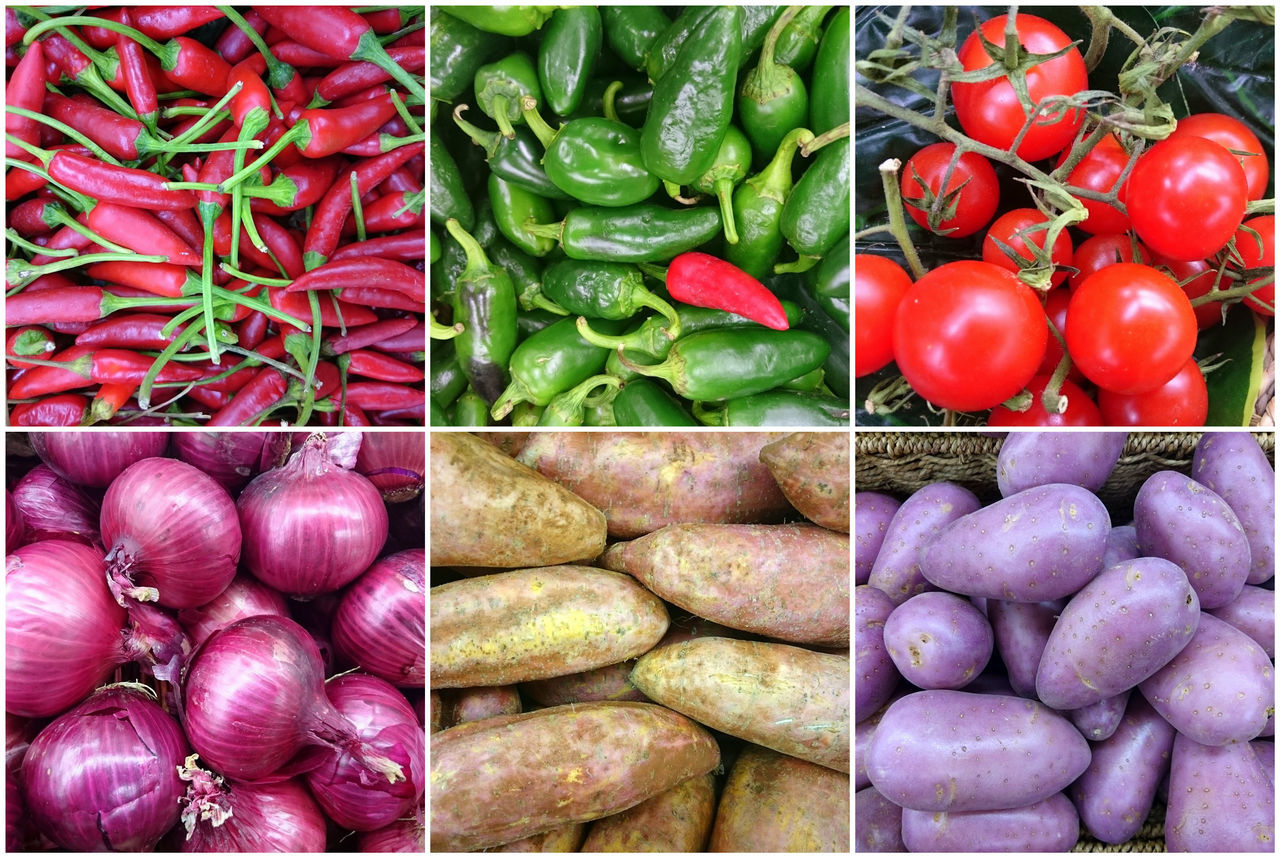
{"x":330,"y":213}
{"x":403,"y":246}
{"x":253,"y":94}
{"x":330,"y":130}
{"x":299,"y":55}
{"x":311,"y":178}
{"x":157,"y":278}
{"x":43,"y":380}
{"x":28,"y":341}
{"x":412,"y":341}
{"x":706,"y":281}
{"x":382,"y":367}
{"x":403,"y":180}
{"x":252,"y":400}
{"x":165,"y":22}
{"x":142,"y":232}
{"x":109,"y":399}
{"x":365,"y":272}
{"x":18,"y":183}
{"x":351,"y":78}
{"x":67,"y":409}
{"x":26,"y":90}
{"x":121,"y":366}
{"x":384,"y":214}
{"x":384,"y":21}
{"x":234,"y":45}
{"x":296,"y":304}
{"x":184,"y":223}
{"x":13,"y":29}
{"x":100,"y":37}
{"x":368,"y":335}
{"x":386,"y":299}
{"x":34,"y":217}
{"x":64,"y":239}
{"x":138,"y":84}
{"x":120,"y":136}
{"x":191,"y":65}
{"x":110,"y":183}
{"x":252,"y":330}
{"x":384,"y":396}
{"x":142,"y":331}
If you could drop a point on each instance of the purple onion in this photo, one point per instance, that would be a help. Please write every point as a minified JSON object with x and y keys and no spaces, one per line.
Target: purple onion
{"x":386,"y":722}
{"x":95,"y":458}
{"x":56,"y":508}
{"x":231,"y":458}
{"x":15,"y":528}
{"x":232,"y":818}
{"x":245,"y":596}
{"x":310,"y":527}
{"x":404,"y":835}
{"x":104,"y":776}
{"x":380,"y":624}
{"x":171,"y":529}
{"x":395,"y":462}
{"x":253,"y":698}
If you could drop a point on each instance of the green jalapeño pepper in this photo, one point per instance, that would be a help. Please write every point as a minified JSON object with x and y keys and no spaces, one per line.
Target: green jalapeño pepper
{"x":830,"y":286}
{"x":449,"y":198}
{"x":644,"y":402}
{"x":777,"y":408}
{"x":457,"y":51}
{"x":830,"y":106}
{"x":645,"y":232}
{"x":595,"y":160}
{"x":731,"y":166}
{"x":719,"y":365}
{"x":632,"y":31}
{"x":693,"y":101}
{"x":515,"y":209}
{"x":798,"y":43}
{"x":757,"y":209}
{"x":505,"y":20}
{"x":651,"y":338}
{"x":772,"y":99}
{"x":570,"y":408}
{"x":816,"y":215}
{"x":484,"y":301}
{"x":501,"y":85}
{"x":549,"y":362}
{"x":602,"y":290}
{"x":518,"y":159}
{"x":567,"y":56}
{"x":469,"y":409}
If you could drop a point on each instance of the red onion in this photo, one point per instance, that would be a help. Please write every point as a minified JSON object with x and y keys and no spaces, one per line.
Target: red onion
{"x":253,"y":698}
{"x":380,"y":624}
{"x":104,"y":776}
{"x":403,"y":835}
{"x":231,"y":458}
{"x":395,"y":462}
{"x":14,"y":813}
{"x":311,"y":527}
{"x":15,"y":528}
{"x":98,"y":457}
{"x":245,"y":596}
{"x":222,"y":817}
{"x":173,"y":533}
{"x":385,"y":721}
{"x":55,"y":508}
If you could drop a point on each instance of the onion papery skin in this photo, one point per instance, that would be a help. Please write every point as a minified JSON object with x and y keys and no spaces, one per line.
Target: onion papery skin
{"x":385,"y":721}
{"x":231,"y":458}
{"x":274,"y":817}
{"x":104,"y":776}
{"x":170,"y":526}
{"x":310,"y":527}
{"x":15,"y":527}
{"x":403,"y":835}
{"x":380,"y":624}
{"x":56,"y":508}
{"x":96,"y":458}
{"x":395,"y":463}
{"x":245,"y":596}
{"x":62,"y":628}
{"x":253,"y":697}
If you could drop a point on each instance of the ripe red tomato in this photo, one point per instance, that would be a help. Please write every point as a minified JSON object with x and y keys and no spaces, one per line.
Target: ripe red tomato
{"x":1130,"y":328}
{"x":1099,"y":251}
{"x":878,"y":287}
{"x":973,"y":182}
{"x":1196,"y":278}
{"x":1018,"y":220}
{"x":1099,"y":170}
{"x":1186,"y":197}
{"x":969,"y":335}
{"x":1181,"y":401}
{"x":990,"y":112}
{"x":1081,"y":410}
{"x":1055,"y":310}
{"x":1232,"y":134}
{"x":1259,"y":252}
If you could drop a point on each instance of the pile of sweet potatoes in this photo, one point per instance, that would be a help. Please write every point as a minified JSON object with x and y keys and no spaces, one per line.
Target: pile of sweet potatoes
{"x":640,"y":642}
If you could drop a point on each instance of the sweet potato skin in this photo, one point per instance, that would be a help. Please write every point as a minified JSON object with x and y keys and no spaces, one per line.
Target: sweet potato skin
{"x":505,"y":778}
{"x":489,"y":510}
{"x":776,"y":803}
{"x":527,"y":624}
{"x":646,"y":480}
{"x":678,"y":820}
{"x":812,"y":469}
{"x":474,"y":704}
{"x":783,"y":697}
{"x":784,"y":581}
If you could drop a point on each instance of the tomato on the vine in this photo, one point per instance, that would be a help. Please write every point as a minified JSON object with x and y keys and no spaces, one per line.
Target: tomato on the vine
{"x":1055,"y":310}
{"x":1005,"y":229}
{"x":1196,"y":277}
{"x":1234,"y":135}
{"x":973,"y":187}
{"x":1099,"y":170}
{"x":1259,"y":251}
{"x":878,"y":287}
{"x":1186,"y":197}
{"x":1130,"y":328}
{"x":990,"y":112}
{"x":1099,"y":251}
{"x":1181,"y":401}
{"x":1081,"y":411}
{"x":969,"y":335}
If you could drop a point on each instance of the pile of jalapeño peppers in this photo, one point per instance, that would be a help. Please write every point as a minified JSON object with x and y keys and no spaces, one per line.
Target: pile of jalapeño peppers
{"x":640,"y":215}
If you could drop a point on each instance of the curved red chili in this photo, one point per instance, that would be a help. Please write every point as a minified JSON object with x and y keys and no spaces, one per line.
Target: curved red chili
{"x":26,"y":90}
{"x":365,"y":272}
{"x":124,"y":185}
{"x":66,"y":409}
{"x":703,"y":280}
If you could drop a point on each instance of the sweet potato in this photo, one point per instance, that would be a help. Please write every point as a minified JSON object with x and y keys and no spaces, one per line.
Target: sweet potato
{"x":645,"y":480}
{"x":792,"y":700}
{"x":504,"y":778}
{"x":533,"y":623}
{"x":475,"y":704}
{"x":776,"y":803}
{"x":566,"y":838}
{"x":812,"y":469}
{"x":785,"y":581}
{"x":489,"y":510}
{"x":678,"y":820}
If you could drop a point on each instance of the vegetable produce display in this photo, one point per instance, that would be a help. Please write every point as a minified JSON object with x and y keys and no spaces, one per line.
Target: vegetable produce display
{"x":640,"y":641}
{"x":175,"y":679}
{"x":215,"y":216}
{"x":640,"y":217}
{"x":1065,"y":216}
{"x":1062,"y":641}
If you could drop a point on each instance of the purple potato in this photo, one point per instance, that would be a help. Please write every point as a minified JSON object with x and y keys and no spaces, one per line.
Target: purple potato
{"x":876,"y":675}
{"x":1220,"y":800}
{"x":1254,"y":613}
{"x":1050,"y":825}
{"x":1021,"y":631}
{"x":917,"y":521}
{"x":1029,"y":459}
{"x":1097,"y":721}
{"x":938,"y":640}
{"x":872,"y":512}
{"x":1235,"y":466}
{"x":878,"y":824}
{"x":1122,"y":545}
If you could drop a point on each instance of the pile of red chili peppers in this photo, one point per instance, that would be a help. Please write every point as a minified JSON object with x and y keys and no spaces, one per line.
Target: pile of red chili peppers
{"x":215,"y":215}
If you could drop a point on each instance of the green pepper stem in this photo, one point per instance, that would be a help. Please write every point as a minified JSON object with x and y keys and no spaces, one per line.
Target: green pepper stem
{"x":486,"y":140}
{"x":445,"y":332}
{"x":544,"y":132}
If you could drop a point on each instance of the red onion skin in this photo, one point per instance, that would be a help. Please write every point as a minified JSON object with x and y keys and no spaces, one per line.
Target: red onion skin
{"x":274,"y":817}
{"x":395,"y":462}
{"x":245,"y":596}
{"x":96,"y":457}
{"x":385,"y":721}
{"x":310,"y":527}
{"x":172,"y":527}
{"x":104,"y":775}
{"x":62,"y":628}
{"x":231,"y":458}
{"x":380,"y":624}
{"x":403,"y":835}
{"x":56,"y":508}
{"x":15,"y":528}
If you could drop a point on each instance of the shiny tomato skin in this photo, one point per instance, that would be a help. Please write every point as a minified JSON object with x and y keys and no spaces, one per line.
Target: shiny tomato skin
{"x":1234,"y":135}
{"x":1013,"y":221}
{"x":977,"y":200}
{"x":1130,"y":328}
{"x":1196,"y":277}
{"x":989,"y":111}
{"x":1181,"y":401}
{"x":969,"y":335}
{"x":878,"y":286}
{"x":1186,"y":197}
{"x":1099,"y":251}
{"x":1099,"y":170}
{"x":1081,"y":410}
{"x":1259,"y":255}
